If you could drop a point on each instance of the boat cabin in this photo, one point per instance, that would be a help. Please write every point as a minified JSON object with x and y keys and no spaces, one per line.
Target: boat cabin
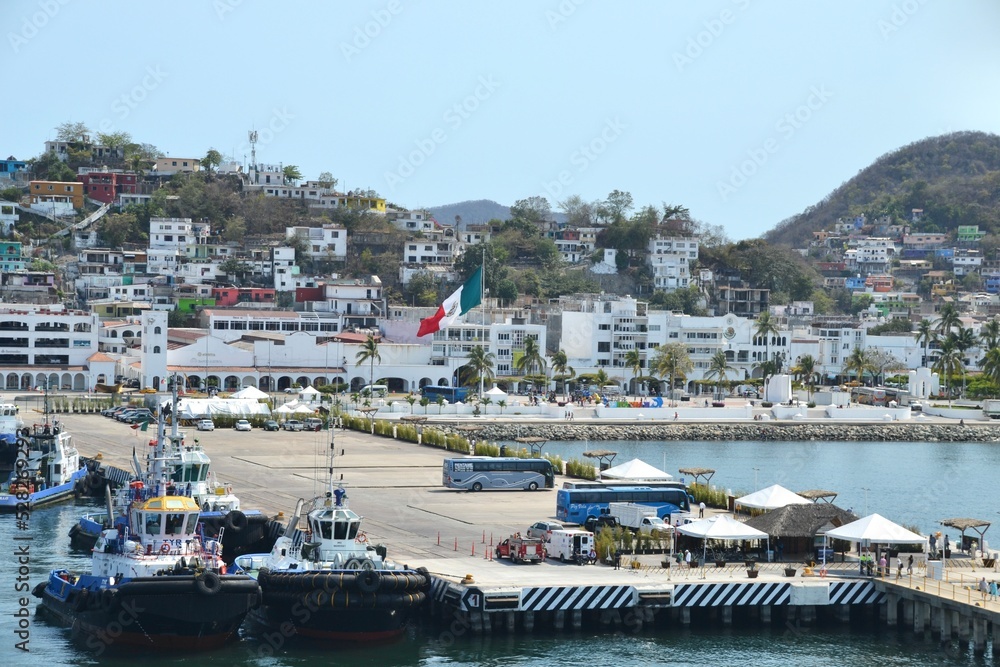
{"x":334,"y":523}
{"x":165,"y":523}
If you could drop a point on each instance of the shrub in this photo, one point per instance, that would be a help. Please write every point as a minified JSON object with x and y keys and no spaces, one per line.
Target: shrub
{"x":766,"y":404}
{"x":557,"y":463}
{"x":487,"y":449}
{"x":576,"y":468}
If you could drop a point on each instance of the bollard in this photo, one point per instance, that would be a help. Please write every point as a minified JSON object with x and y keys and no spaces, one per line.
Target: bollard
{"x":491,"y":539}
{"x":484,"y":537}
{"x":439,"y":538}
{"x":473,"y":548}
{"x":456,"y":544}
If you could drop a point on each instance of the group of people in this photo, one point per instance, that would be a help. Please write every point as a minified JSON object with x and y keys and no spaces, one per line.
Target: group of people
{"x":989,"y":589}
{"x":868,"y":564}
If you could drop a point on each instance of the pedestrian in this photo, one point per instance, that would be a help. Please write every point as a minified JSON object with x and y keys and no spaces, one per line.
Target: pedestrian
{"x":909,"y":564}
{"x":983,"y":588}
{"x":947,"y":547}
{"x":618,"y":559}
{"x":993,"y":590}
{"x":899,"y":569}
{"x":701,"y":510}
{"x":675,"y":416}
{"x":687,"y":557}
{"x":781,"y":551}
{"x":883,"y":566}
{"x":933,"y":541}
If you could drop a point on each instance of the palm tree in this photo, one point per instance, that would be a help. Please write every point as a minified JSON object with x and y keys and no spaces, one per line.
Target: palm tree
{"x":989,"y":334}
{"x":481,"y":363}
{"x":991,"y":365}
{"x":369,"y":353}
{"x":806,"y":370}
{"x":633,"y":361}
{"x":718,"y":368}
{"x":561,"y":367}
{"x":671,"y":361}
{"x":949,"y":363}
{"x":766,"y":327}
{"x":858,"y":363}
{"x":948,"y":319}
{"x":531,"y":360}
{"x":965,"y":340}
{"x":927,"y":335}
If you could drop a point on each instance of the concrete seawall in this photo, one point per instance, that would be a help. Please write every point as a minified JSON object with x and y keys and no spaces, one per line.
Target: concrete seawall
{"x":757,"y":431}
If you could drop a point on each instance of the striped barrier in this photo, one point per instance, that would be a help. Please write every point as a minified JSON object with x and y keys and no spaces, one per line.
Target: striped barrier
{"x":724,"y":595}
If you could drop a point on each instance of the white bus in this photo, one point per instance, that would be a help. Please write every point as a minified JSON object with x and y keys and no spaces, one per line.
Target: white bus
{"x":476,"y":473}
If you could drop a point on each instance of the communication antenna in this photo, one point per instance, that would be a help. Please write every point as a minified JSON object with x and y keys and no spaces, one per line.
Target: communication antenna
{"x":252,"y":136}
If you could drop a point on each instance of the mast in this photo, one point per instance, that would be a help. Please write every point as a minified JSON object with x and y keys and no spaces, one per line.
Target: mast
{"x":482,"y":301}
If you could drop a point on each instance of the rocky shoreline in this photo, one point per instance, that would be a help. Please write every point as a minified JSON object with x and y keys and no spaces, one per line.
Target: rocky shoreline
{"x":754,"y":431}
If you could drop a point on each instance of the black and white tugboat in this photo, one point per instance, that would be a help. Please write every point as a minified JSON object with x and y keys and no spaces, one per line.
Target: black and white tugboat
{"x":154,"y":578}
{"x":328,"y":582}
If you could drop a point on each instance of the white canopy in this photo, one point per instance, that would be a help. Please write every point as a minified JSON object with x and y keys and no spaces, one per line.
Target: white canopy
{"x":304,"y":409}
{"x":634,"y":470}
{"x":496,"y":393}
{"x":772,"y":498}
{"x":721,"y":527}
{"x":310,"y":390}
{"x":250,"y":392}
{"x":200,"y":408}
{"x":284,"y":410}
{"x":875,"y":528}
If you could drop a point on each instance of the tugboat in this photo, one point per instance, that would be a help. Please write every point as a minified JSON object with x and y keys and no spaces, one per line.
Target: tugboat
{"x":153,"y":576}
{"x":52,"y":465}
{"x":189,"y":474}
{"x":328,"y":582}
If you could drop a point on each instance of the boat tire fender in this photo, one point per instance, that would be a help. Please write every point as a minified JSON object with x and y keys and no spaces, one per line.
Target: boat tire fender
{"x":208,"y":583}
{"x":107,"y":598}
{"x":368,"y":581}
{"x":236,"y":521}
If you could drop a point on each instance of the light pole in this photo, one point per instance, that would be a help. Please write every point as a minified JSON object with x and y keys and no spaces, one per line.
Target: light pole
{"x":755,"y":470}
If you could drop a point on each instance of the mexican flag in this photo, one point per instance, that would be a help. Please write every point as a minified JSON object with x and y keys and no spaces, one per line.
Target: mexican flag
{"x":464,"y":299}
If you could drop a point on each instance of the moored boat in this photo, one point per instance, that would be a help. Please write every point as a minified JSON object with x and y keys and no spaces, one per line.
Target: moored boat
{"x":50,"y":470}
{"x":330,"y":584}
{"x":152,"y":573}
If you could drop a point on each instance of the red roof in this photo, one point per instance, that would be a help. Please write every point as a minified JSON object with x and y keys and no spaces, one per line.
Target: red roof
{"x":100,"y":357}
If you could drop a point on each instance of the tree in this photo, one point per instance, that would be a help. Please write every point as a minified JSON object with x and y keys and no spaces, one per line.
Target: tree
{"x":633,"y":361}
{"x":766,"y":327}
{"x":671,"y":361}
{"x":212,"y":160}
{"x":369,"y":352}
{"x":858,"y":363}
{"x":326,"y":180}
{"x":719,"y":369}
{"x":880,"y":361}
{"x":578,"y":212}
{"x":235,"y":267}
{"x":926,"y":335}
{"x":561,"y":368}
{"x":989,"y":334}
{"x":117,"y":228}
{"x":991,"y":365}
{"x":507,"y":290}
{"x":481,"y":362}
{"x":236,"y":229}
{"x":531,"y":209}
{"x":70,"y":131}
{"x":114,"y":139}
{"x":618,"y":204}
{"x":531,"y":361}
{"x":806,"y":370}
{"x":949,"y":363}
{"x":947,"y":319}
{"x":291,"y":174}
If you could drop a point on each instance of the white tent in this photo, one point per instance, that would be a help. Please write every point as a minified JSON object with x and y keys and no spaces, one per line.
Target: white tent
{"x":202,"y":408}
{"x":304,"y":409}
{"x":721,"y":527}
{"x":636,"y":470}
{"x":875,"y":528}
{"x":772,"y":498}
{"x":250,"y":392}
{"x":309,"y":394}
{"x":285,"y":409}
{"x":496,"y":394}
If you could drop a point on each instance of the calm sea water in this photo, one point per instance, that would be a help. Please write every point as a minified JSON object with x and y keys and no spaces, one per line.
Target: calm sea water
{"x":916,"y":483}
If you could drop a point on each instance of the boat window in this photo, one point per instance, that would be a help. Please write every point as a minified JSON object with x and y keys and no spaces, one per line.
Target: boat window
{"x":325,"y":529}
{"x":152,"y":523}
{"x":203,"y":473}
{"x":340,"y":530}
{"x":192,"y":524}
{"x":353,"y":532}
{"x":175,"y":524}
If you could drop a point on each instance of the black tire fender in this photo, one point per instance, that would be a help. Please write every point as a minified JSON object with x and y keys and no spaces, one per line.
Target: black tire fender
{"x":209,"y":583}
{"x":368,"y":581}
{"x":236,"y":521}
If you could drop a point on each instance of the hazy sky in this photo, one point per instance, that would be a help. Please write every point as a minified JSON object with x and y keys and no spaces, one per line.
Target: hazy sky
{"x":744,"y":111}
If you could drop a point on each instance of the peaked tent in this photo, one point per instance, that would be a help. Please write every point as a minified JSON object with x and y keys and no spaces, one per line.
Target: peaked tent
{"x":772,"y":498}
{"x":875,"y":528}
{"x":250,"y":392}
{"x":636,"y":469}
{"x":496,"y":394}
{"x":721,"y":527}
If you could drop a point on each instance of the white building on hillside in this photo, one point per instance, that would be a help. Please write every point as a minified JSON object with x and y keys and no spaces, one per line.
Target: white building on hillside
{"x":326,"y":242}
{"x":670,"y":259}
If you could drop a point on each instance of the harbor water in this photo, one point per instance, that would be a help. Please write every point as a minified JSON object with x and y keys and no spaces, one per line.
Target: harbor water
{"x":914,"y":483}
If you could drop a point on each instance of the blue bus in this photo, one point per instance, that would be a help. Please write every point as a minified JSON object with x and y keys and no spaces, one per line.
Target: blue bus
{"x":576,"y":505}
{"x":450,"y":394}
{"x":475,"y":473}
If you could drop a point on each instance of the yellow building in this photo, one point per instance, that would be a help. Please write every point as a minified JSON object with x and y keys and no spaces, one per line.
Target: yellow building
{"x":57,"y":191}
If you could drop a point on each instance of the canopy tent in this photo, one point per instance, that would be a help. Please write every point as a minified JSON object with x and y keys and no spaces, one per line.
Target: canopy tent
{"x":875,"y":528}
{"x":250,"y":392}
{"x":285,"y":409}
{"x":303,"y":410}
{"x":204,"y":408}
{"x":635,"y":470}
{"x":772,"y":497}
{"x":495,"y":394}
{"x":309,"y":394}
{"x":721,"y":527}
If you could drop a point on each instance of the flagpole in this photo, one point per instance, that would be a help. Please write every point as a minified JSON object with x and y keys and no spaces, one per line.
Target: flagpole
{"x":482,"y":301}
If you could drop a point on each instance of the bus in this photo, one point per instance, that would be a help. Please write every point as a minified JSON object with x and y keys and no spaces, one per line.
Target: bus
{"x":476,"y":473}
{"x":576,"y":505}
{"x":450,"y":394}
{"x":869,"y":395}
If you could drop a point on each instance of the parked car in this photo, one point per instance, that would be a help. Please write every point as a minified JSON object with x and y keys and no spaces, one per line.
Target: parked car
{"x":271,"y":425}
{"x":243,"y":425}
{"x":206,"y":425}
{"x":312,"y":424}
{"x":138,"y":416}
{"x":543,"y":529}
{"x":292,"y":425}
{"x":595,"y":523}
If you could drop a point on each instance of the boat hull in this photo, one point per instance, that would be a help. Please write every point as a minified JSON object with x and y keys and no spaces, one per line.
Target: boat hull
{"x":340,"y":605}
{"x":170,"y":611}
{"x":49,"y":496}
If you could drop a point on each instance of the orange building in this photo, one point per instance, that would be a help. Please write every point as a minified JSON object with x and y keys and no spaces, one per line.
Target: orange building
{"x":57,"y":191}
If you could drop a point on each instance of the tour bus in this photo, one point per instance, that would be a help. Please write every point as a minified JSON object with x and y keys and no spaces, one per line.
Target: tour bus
{"x":488,"y":472}
{"x":869,"y":395}
{"x":576,"y":505}
{"x":450,"y":394}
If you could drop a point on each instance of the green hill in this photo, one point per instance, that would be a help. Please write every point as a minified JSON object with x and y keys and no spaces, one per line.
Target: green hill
{"x":954,"y":178}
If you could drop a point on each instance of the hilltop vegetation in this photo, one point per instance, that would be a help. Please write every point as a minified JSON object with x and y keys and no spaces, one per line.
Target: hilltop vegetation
{"x":954,"y":178}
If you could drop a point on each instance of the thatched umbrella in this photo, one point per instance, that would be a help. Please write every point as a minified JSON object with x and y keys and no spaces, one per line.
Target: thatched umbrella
{"x":798,"y":525}
{"x":698,"y":472}
{"x":604,"y":456}
{"x":819,"y":494}
{"x":966,"y":524}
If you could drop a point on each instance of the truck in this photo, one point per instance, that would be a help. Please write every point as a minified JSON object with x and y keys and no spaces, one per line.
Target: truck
{"x":991,"y":408}
{"x":576,"y":546}
{"x":639,"y":518}
{"x":521,"y":549}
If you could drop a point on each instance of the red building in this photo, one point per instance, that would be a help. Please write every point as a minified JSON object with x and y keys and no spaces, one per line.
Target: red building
{"x":104,"y":186}
{"x":226,"y":297}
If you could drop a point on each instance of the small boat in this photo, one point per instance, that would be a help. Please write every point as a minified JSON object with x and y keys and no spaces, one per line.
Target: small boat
{"x":100,"y":388}
{"x":154,"y":577}
{"x":352,"y":591}
{"x":38,"y":464}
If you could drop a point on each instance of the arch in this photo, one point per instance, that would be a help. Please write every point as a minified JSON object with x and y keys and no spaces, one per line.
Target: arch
{"x":53,"y":381}
{"x":102,"y":378}
{"x":424,"y":382}
{"x":248,"y":381}
{"x":156,"y":382}
{"x":444,"y":382}
{"x":114,"y":333}
{"x":27,"y":382}
{"x":157,"y":330}
{"x":320,"y":381}
{"x":282,"y":383}
{"x":303,"y":380}
{"x":357,"y":382}
{"x":79,"y":382}
{"x":66,"y":381}
{"x":396,"y":385}
{"x":156,"y":349}
{"x":264,"y":383}
{"x":232,"y":383}
{"x":128,"y":334}
{"x":11,"y":381}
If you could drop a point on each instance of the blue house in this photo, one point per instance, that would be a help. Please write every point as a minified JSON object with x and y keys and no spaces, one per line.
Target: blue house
{"x":10,"y":166}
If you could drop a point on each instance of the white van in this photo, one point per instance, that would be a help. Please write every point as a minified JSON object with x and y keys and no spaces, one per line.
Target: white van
{"x":571,"y":545}
{"x":379,"y":390}
{"x":611,"y":390}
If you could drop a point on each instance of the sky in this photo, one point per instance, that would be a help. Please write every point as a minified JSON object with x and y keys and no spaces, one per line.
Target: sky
{"x":745,"y":111}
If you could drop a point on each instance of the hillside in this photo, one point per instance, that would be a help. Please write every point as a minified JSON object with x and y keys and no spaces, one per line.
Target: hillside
{"x":472,"y":212}
{"x":954,"y":178}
